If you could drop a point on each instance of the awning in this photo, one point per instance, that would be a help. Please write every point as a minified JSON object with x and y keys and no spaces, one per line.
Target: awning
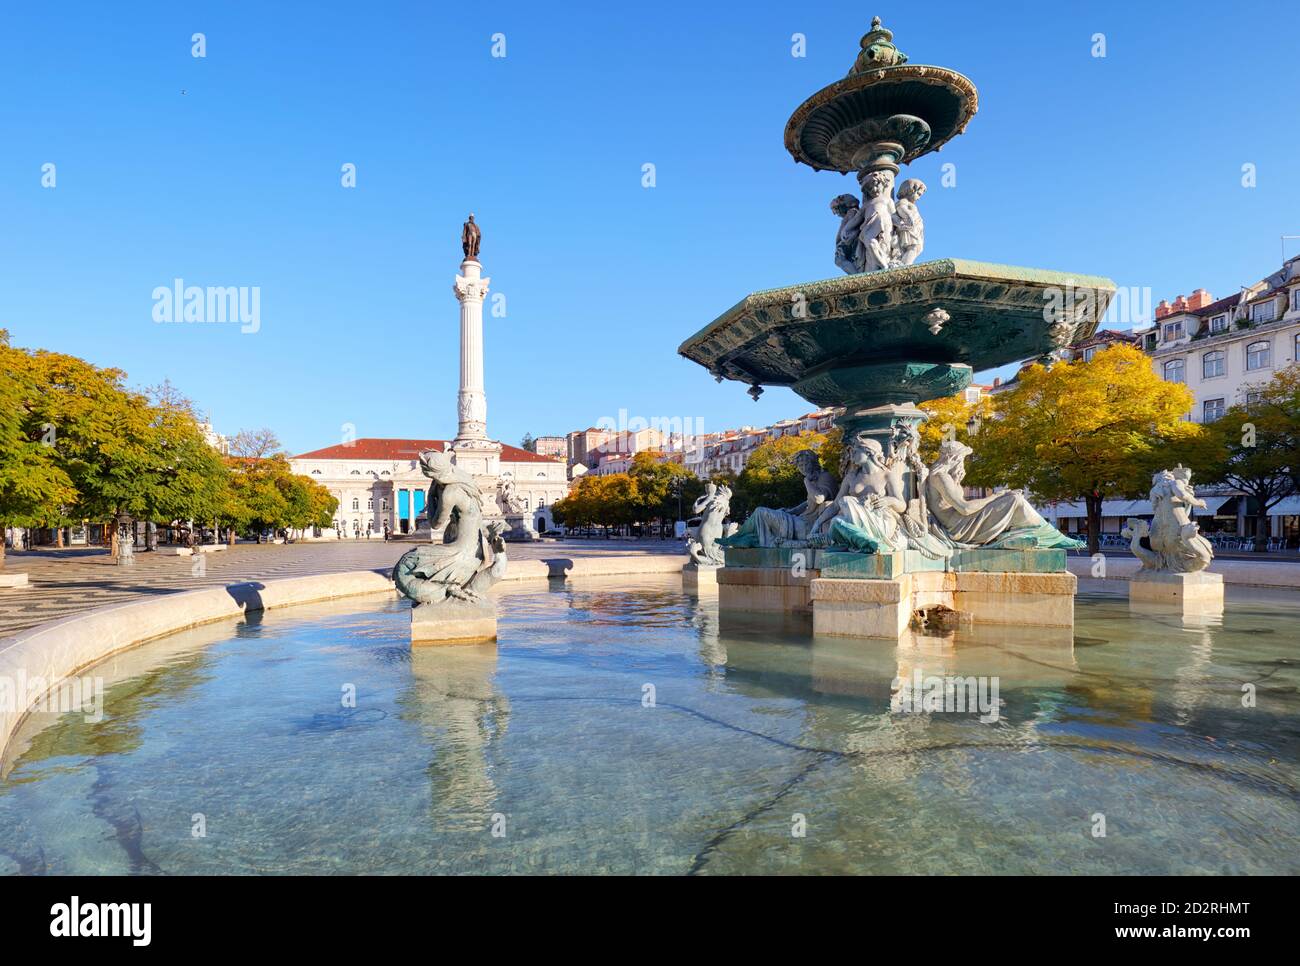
{"x":1288,"y":506}
{"x":1213,"y":504}
{"x":1141,"y":508}
{"x":1109,"y":508}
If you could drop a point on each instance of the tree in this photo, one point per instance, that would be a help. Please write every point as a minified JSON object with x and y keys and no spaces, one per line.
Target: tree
{"x":33,"y":487}
{"x":951,"y":417}
{"x":255,"y":444}
{"x":1245,"y":449}
{"x":529,"y":443}
{"x":1083,"y":430}
{"x":1276,"y":414}
{"x":663,"y":487}
{"x":770,"y":477}
{"x":104,"y":438}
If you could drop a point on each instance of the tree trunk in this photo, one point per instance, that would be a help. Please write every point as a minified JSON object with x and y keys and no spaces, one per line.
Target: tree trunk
{"x":58,"y":537}
{"x":2,"y":548}
{"x":112,"y":539}
{"x":230,"y":536}
{"x":1261,"y":529}
{"x":1093,"y":502}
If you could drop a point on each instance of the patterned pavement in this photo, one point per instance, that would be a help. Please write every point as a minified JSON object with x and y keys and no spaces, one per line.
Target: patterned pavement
{"x":64,"y":582}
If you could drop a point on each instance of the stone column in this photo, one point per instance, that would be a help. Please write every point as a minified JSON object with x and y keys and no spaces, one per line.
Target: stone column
{"x":471,"y":402}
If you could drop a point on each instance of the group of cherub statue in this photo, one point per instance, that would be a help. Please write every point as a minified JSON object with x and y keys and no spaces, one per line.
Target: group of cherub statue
{"x":1173,"y":542}
{"x":880,"y":231}
{"x":465,"y":555}
{"x":885,"y":502}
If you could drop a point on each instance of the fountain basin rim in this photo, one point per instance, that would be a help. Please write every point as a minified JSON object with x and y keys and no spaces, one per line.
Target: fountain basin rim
{"x":842,"y":91}
{"x":924,"y":271}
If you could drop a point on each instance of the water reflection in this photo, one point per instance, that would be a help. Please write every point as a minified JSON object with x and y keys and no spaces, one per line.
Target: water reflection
{"x":462,"y":716}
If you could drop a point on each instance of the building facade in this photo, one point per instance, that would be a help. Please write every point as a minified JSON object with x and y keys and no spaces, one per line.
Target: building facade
{"x":378,"y":483}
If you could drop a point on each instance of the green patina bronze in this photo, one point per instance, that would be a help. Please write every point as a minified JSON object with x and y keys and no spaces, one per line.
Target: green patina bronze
{"x":879,"y":342}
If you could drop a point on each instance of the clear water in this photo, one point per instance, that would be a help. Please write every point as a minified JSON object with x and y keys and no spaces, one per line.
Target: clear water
{"x":551,"y":740}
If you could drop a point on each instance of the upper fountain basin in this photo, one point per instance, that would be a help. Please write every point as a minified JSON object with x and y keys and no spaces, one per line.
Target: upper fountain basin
{"x":822,"y":337}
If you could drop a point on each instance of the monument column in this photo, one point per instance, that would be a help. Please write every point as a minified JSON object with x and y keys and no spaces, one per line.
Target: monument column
{"x":471,"y":401}
{"x":472,"y":450}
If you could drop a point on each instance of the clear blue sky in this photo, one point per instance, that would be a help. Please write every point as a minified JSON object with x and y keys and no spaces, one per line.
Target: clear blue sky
{"x":1127,"y":166}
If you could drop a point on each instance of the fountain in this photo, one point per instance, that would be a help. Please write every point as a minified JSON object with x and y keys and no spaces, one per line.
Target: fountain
{"x":899,"y":537}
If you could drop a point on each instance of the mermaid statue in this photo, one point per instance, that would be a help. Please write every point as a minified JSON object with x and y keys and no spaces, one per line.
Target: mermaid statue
{"x":464,"y":556}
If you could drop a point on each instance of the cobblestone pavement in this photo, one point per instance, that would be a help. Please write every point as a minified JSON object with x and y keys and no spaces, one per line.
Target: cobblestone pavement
{"x":64,"y":582}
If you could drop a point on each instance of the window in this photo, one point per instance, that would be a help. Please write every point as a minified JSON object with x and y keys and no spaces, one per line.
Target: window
{"x":356,"y":504}
{"x":1258,"y":355}
{"x":1211,"y":410}
{"x":1253,"y":396}
{"x":1218,"y":324}
{"x":1263,"y":311}
{"x":1089,"y":352}
{"x":315,"y":472}
{"x":1174,"y":370}
{"x":383,"y":504}
{"x":1295,"y":299}
{"x":1173,"y":330}
{"x":370,"y":504}
{"x":1213,"y":364}
{"x":356,"y":472}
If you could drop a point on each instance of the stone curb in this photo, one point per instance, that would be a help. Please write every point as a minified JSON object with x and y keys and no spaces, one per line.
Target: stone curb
{"x":1241,"y":573}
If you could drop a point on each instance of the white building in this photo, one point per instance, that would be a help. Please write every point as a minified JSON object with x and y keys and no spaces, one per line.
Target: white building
{"x":1224,"y":351}
{"x":378,"y":482}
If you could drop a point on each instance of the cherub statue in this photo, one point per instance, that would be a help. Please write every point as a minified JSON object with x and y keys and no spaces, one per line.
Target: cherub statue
{"x":876,"y":235}
{"x":848,"y":251}
{"x":909,"y":228}
{"x":1174,"y":537}
{"x":713,"y":507}
{"x":463,"y":557}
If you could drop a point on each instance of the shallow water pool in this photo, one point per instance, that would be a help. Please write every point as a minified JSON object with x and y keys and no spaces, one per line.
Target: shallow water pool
{"x":622,"y":729}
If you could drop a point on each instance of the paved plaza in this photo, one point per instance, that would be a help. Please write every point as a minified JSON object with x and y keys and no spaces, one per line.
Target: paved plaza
{"x":65,"y":582}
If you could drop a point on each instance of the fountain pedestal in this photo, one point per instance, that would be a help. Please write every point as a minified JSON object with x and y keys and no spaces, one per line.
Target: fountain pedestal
{"x":697,"y":580}
{"x":1199,"y":593}
{"x":454,"y":622}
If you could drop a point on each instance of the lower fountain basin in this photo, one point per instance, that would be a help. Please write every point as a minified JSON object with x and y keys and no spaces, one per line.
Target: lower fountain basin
{"x":622,"y":727}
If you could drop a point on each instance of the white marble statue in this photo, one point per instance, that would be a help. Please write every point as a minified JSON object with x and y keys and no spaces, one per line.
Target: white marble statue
{"x":1176,"y":544}
{"x":876,"y":236}
{"x":870,"y":509}
{"x":767,"y":527}
{"x":1005,"y":519}
{"x":712,"y":508}
{"x":909,"y":227}
{"x":848,"y":255}
{"x":511,"y":502}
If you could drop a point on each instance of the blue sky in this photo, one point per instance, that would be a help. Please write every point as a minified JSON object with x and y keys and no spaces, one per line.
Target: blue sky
{"x":1128,"y":166}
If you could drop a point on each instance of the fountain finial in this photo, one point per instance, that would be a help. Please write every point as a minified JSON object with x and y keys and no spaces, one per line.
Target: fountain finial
{"x":878,"y":50}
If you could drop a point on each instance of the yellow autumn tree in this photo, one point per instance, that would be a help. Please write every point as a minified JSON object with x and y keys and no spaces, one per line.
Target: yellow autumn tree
{"x":1086,"y":431}
{"x":951,"y":417}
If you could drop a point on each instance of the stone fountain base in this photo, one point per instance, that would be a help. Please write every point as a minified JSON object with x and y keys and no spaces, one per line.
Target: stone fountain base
{"x":454,"y":622}
{"x":699,"y":580}
{"x":1199,"y":593}
{"x":877,"y":595}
